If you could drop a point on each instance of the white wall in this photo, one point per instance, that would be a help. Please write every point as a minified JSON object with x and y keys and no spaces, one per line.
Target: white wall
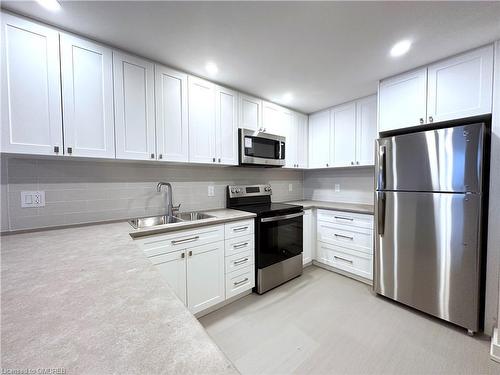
{"x":356,"y":185}
{"x":89,"y":191}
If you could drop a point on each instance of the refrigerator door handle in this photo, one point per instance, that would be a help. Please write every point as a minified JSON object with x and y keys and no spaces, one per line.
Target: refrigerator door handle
{"x":381,"y":168}
{"x":381,"y":213}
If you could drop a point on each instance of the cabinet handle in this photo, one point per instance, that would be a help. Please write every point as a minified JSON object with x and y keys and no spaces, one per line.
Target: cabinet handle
{"x":190,"y":253}
{"x":241,"y":282}
{"x":213,"y":160}
{"x":70,"y":150}
{"x":342,"y":236}
{"x":240,"y":261}
{"x":183,"y":255}
{"x":352,"y":163}
{"x":431,"y":119}
{"x":185,"y":240}
{"x":327,"y":164}
{"x":239,"y":246}
{"x":160,"y":156}
{"x":357,"y":162}
{"x":56,"y":149}
{"x":219,"y":160}
{"x":240,"y":229}
{"x":421,"y":120}
{"x":344,"y":259}
{"x":344,"y":218}
{"x":152,"y":156}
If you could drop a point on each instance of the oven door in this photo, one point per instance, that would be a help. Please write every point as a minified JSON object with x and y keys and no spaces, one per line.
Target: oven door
{"x":278,"y":238}
{"x":261,"y":149}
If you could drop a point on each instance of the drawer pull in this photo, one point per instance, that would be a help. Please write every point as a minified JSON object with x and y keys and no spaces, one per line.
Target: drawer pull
{"x":185,"y":240}
{"x":239,"y":246}
{"x":240,"y":261}
{"x":344,"y":218}
{"x":344,"y":259}
{"x":240,"y":229}
{"x":342,"y":236}
{"x":241,"y":282}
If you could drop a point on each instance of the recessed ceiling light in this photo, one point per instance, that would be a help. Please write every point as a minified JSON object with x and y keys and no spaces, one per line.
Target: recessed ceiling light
{"x":287,"y":97}
{"x":211,"y":68}
{"x":52,"y":5}
{"x":400,"y":48}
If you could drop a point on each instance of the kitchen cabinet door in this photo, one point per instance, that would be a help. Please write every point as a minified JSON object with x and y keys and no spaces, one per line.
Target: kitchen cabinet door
{"x":133,"y":80}
{"x":226,"y":119}
{"x":366,"y":130}
{"x":202,"y":127}
{"x":273,"y":119}
{"x":205,"y":276}
{"x":343,"y":122}
{"x":402,"y":100}
{"x":31,"y":88}
{"x":87,"y":97}
{"x":308,"y":242}
{"x":319,"y":139}
{"x":171,"y":114}
{"x":250,"y":112}
{"x":461,"y":86}
{"x":290,"y":125}
{"x":172,"y":267}
{"x":302,"y":139}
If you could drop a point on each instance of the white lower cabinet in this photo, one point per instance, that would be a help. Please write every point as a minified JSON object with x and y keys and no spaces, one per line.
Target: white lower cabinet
{"x":308,"y":236}
{"x":207,"y":265}
{"x":345,"y":242}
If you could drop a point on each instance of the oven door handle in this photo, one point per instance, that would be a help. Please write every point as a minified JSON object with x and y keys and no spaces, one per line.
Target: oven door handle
{"x":281,"y":217}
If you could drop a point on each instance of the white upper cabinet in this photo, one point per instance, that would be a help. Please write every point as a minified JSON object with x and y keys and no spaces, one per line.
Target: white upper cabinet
{"x":250,"y":112}
{"x":319,"y":139}
{"x":134,"y":107}
{"x":31,"y":91}
{"x":301,"y":121}
{"x":87,"y":96}
{"x":402,"y":100}
{"x":461,"y":86}
{"x":226,"y":122}
{"x":343,"y":122}
{"x":290,"y":126}
{"x":366,"y":130}
{"x":274,"y":119}
{"x":171,"y":94}
{"x":202,"y":129}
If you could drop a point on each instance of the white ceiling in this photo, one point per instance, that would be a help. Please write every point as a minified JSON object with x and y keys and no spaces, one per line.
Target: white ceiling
{"x":324,"y":53}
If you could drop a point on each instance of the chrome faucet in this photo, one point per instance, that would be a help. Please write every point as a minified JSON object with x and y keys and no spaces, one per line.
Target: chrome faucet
{"x":170,"y":207}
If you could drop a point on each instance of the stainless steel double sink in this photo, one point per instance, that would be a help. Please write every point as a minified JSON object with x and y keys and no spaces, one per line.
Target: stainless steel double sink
{"x":152,"y":221}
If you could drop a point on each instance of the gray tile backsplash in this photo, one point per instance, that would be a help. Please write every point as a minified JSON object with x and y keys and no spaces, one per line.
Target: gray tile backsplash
{"x":356,"y":185}
{"x":89,"y":191}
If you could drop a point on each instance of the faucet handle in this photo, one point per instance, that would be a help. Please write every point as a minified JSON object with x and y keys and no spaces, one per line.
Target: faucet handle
{"x":176,"y":208}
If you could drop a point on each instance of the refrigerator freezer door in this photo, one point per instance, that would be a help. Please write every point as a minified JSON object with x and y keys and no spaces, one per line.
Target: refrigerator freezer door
{"x":427,"y":255}
{"x":447,"y":160}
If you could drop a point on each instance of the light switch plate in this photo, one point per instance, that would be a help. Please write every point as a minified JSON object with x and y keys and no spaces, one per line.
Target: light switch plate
{"x":32,"y":199}
{"x":211,"y":190}
{"x":337,"y":188}
{"x":290,"y":187}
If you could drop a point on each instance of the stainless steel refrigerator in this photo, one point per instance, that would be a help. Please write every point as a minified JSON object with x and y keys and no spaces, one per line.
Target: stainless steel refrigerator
{"x":429,"y":198}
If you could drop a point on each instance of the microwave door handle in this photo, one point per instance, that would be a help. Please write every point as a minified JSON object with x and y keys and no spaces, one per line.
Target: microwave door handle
{"x":380,"y":213}
{"x":382,"y":168}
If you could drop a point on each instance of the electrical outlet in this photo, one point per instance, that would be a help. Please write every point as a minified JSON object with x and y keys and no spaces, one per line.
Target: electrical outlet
{"x":211,"y":190}
{"x":337,"y":188}
{"x":290,"y":187}
{"x":32,"y":199}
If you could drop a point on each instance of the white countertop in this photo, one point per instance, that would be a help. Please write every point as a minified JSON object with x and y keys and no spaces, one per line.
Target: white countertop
{"x":338,"y":206}
{"x":87,"y":299}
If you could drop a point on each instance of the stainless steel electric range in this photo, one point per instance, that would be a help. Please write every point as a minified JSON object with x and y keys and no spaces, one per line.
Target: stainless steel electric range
{"x":278,"y":234}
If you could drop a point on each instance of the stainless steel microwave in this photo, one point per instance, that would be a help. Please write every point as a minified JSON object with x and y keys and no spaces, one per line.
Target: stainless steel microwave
{"x":261,"y":149}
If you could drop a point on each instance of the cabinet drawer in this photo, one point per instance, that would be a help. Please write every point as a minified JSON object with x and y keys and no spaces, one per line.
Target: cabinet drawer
{"x":352,"y":261}
{"x":356,"y":238}
{"x":165,"y":243}
{"x":238,"y":261}
{"x":239,"y":228}
{"x":239,"y":244}
{"x":346,"y":218}
{"x":240,"y":281}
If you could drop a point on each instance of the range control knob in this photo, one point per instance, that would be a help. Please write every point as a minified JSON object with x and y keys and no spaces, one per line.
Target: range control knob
{"x":267,"y":188}
{"x":238,"y":190}
{"x":233,"y":190}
